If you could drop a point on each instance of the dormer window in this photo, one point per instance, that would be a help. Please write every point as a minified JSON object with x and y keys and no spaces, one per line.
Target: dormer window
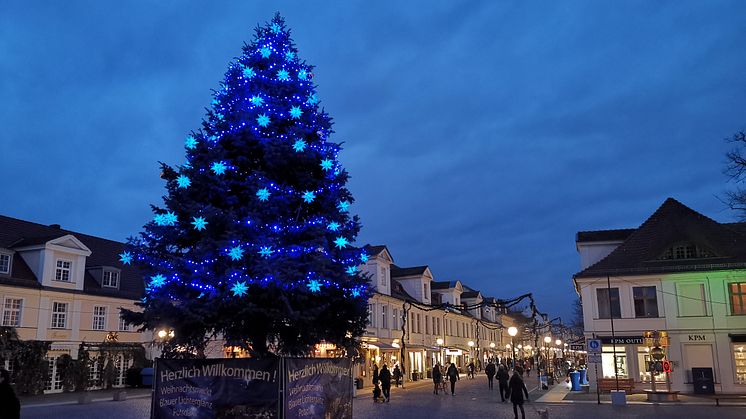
{"x":5,"y":263}
{"x":686,"y":251}
{"x":110,"y":279}
{"x":63,"y":270}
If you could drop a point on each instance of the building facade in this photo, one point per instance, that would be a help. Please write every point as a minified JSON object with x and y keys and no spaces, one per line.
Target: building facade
{"x":410,"y":326}
{"x":679,"y":272}
{"x":66,"y":288}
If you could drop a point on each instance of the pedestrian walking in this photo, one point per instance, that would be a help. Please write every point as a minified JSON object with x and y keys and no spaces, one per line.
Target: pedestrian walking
{"x":502,"y":380}
{"x":10,"y":407}
{"x":470,"y":369}
{"x":385,"y":377}
{"x":376,"y":386}
{"x":437,"y":377}
{"x":452,"y":374}
{"x":490,"y":370}
{"x":516,"y":390}
{"x":397,"y":375}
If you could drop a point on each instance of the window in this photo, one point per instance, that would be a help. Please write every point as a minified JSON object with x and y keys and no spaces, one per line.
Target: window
{"x":12,"y":312}
{"x":737,"y":291}
{"x":395,"y":319}
{"x":4,"y":263}
{"x":123,"y":325}
{"x":384,"y":320}
{"x":426,"y":292}
{"x":427,"y":325}
{"x":608,"y":358}
{"x":412,"y":327}
{"x":99,"y":318}
{"x":437,"y":326}
{"x":63,"y":270}
{"x":59,"y":315}
{"x":686,"y":251}
{"x":110,"y":279}
{"x":692,"y":299}
{"x":608,"y":307}
{"x":739,"y":352}
{"x":419,"y":323}
{"x":372,"y":315}
{"x":646,"y":301}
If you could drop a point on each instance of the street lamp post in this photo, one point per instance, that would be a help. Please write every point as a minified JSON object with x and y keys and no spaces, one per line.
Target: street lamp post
{"x":512,"y":331}
{"x":547,"y":340}
{"x":559,"y":348}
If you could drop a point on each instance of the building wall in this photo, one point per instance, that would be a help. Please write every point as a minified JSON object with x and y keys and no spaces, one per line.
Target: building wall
{"x":698,"y":326}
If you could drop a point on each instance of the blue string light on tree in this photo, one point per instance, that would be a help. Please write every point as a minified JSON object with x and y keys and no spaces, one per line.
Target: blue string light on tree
{"x":261,"y":138}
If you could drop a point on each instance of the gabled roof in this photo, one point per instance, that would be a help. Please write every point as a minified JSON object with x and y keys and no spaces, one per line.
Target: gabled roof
{"x":378,"y":250}
{"x":444,"y":285}
{"x":15,"y":234}
{"x":470,"y":294}
{"x":673,"y":223}
{"x":397,"y":271}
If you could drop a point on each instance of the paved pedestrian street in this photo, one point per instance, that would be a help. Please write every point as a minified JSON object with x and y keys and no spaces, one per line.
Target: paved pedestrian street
{"x":472,"y":400}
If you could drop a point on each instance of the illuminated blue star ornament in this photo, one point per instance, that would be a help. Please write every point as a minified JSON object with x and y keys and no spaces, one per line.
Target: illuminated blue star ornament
{"x":125,"y":258}
{"x":256,"y":100}
{"x":340,"y":242}
{"x":190,"y":142}
{"x":262,"y":120}
{"x":199,"y":223}
{"x":343,"y":206}
{"x":363,"y":258}
{"x":333,"y":226}
{"x":183,"y":181}
{"x":314,"y":285}
{"x":239,"y":289}
{"x":248,"y":72}
{"x":299,"y":145}
{"x":266,"y":251}
{"x":303,"y":74}
{"x":351,"y":270}
{"x":263,"y":194}
{"x":295,"y":112}
{"x":355,"y":292}
{"x":265,"y":52}
{"x":218,"y":168}
{"x":308,"y":197}
{"x":236,"y":253}
{"x":326,"y":164}
{"x":157,"y":281}
{"x":283,"y":75}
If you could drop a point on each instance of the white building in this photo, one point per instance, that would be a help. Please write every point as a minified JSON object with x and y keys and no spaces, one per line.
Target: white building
{"x":67,"y":288}
{"x":407,"y":320}
{"x":679,"y":272}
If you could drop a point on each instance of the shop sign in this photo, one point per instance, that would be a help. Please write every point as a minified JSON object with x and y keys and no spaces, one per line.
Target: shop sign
{"x":577,"y":347}
{"x":456,"y":352}
{"x":697,"y":337}
{"x":622,"y":340}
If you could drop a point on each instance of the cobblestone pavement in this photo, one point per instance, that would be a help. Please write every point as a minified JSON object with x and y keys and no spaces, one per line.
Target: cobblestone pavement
{"x":472,"y":400}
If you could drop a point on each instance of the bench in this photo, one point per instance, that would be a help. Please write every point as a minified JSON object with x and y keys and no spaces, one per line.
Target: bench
{"x":727,"y":397}
{"x":605,"y":385}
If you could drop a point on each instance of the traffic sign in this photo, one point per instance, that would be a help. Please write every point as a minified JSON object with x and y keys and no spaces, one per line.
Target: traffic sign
{"x":593,"y":358}
{"x":594,"y":346}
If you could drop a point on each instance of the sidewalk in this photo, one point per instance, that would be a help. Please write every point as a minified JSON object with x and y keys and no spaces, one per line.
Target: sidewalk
{"x":561,"y":393}
{"x":58,"y":399}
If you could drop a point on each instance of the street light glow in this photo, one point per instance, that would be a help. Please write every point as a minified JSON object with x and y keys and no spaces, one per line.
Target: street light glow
{"x":547,"y":339}
{"x":512,"y":331}
{"x":439,"y":341}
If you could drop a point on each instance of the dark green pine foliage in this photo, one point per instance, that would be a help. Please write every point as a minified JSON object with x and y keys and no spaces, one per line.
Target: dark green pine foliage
{"x":254,"y":241}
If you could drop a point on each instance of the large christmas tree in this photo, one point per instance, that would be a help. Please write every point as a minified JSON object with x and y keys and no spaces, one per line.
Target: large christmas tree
{"x":254,"y":240}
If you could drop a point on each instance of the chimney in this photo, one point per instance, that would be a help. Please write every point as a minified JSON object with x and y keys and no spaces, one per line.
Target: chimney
{"x":57,"y":226}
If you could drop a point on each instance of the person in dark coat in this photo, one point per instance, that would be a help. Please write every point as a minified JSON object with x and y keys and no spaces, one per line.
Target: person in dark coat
{"x":376,"y":388}
{"x":437,"y":377}
{"x":10,"y":407}
{"x":502,"y":380}
{"x":470,"y":369}
{"x":516,"y":389}
{"x":385,"y":377}
{"x":452,"y":374}
{"x":397,"y":375}
{"x":490,"y":370}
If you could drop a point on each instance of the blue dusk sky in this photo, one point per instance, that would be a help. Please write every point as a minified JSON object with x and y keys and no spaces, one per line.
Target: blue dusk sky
{"x":480,"y":136}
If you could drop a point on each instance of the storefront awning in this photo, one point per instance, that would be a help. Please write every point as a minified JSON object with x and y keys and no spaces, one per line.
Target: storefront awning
{"x":382,"y":346}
